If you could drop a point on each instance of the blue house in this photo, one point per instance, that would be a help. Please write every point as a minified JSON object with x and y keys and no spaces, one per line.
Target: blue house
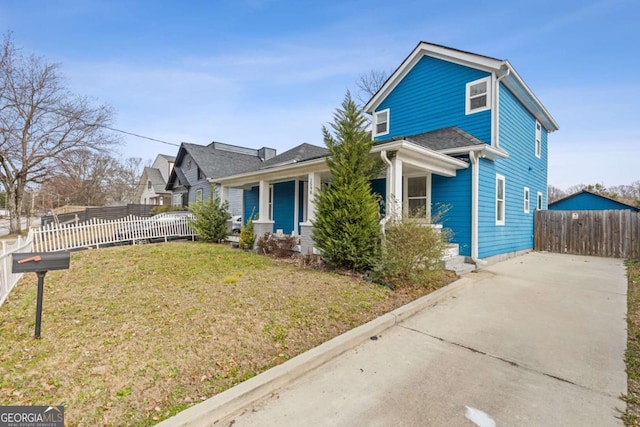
{"x":587,"y":201}
{"x":460,"y":133}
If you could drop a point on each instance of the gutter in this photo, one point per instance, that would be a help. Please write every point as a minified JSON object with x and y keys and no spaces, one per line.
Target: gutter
{"x":475,"y":173}
{"x":383,"y":156}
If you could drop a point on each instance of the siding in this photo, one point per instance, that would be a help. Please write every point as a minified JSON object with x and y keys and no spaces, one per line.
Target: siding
{"x":521,"y":169}
{"x":251,"y":203}
{"x":432,"y":96}
{"x":453,"y":196}
{"x":588,"y":202}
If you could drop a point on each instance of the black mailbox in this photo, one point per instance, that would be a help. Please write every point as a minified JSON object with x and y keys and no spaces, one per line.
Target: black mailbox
{"x":40,"y":263}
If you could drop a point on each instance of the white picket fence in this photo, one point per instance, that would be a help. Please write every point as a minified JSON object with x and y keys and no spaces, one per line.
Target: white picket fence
{"x":97,"y":232}
{"x":8,"y":279}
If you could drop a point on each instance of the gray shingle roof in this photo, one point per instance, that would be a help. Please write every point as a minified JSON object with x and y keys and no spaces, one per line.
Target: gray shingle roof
{"x":440,"y":139}
{"x":157,"y":181}
{"x":215,"y":163}
{"x":297,"y":154}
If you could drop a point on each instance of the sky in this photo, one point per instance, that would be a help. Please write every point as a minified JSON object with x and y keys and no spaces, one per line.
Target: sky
{"x":272,"y":72}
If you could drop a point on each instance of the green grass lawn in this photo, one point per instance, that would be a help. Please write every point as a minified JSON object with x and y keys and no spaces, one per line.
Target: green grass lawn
{"x":132,"y":335}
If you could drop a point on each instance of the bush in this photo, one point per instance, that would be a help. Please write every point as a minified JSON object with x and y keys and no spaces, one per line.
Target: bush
{"x":247,"y":235}
{"x":167,"y":208}
{"x":211,"y":219}
{"x":277,"y":246}
{"x":412,"y":254}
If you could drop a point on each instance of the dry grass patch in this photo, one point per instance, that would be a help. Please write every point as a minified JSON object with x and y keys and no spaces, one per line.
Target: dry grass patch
{"x":632,"y":415}
{"x":132,"y":335}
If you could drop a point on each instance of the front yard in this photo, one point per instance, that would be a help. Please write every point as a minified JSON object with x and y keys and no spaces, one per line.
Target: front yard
{"x":132,"y":335}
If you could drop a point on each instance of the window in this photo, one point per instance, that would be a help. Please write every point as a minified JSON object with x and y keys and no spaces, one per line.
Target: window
{"x":478,"y":95}
{"x":189,"y":164}
{"x":199,"y":195}
{"x":538,"y":140}
{"x":539,"y":201}
{"x":200,"y":175}
{"x":500,"y":199}
{"x":177,"y":200}
{"x":417,"y":203}
{"x":381,"y":122}
{"x":149,"y":185}
{"x":526,"y":200}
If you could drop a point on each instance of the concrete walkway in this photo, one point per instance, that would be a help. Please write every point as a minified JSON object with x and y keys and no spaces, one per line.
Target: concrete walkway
{"x":538,"y":340}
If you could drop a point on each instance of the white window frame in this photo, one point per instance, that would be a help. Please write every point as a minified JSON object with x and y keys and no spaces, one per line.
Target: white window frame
{"x":501,"y":210}
{"x":376,"y":121}
{"x":539,"y":201}
{"x":198,"y":197}
{"x":468,"y":96}
{"x":426,"y":197}
{"x":526,"y":199}
{"x":176,"y":199}
{"x":271,"y":203}
{"x":538,"y":139}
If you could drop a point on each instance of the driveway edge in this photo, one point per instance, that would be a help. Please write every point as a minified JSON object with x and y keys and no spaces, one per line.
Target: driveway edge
{"x":246,"y":393}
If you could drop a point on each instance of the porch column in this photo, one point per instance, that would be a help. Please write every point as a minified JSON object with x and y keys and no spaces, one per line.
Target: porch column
{"x":314,"y":187}
{"x":394,"y":195}
{"x":263,"y":205}
{"x":306,"y":228}
{"x":224,"y":193}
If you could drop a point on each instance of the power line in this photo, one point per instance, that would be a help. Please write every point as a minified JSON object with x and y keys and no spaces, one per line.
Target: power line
{"x":139,"y":136}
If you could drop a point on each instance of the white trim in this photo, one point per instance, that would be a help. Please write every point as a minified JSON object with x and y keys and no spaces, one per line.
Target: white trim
{"x":487,"y":94}
{"x":475,"y":179}
{"x":501,"y":209}
{"x":296,"y":205}
{"x":538,"y":140}
{"x":526,"y":198}
{"x":305,"y":195}
{"x":374,"y":129}
{"x":426,"y":197}
{"x":485,"y":150}
{"x":539,"y":201}
{"x":270,"y":202}
{"x":198,"y":195}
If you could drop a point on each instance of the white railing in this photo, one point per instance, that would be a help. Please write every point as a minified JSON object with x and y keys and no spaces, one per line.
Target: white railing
{"x":97,"y":232}
{"x":8,"y":279}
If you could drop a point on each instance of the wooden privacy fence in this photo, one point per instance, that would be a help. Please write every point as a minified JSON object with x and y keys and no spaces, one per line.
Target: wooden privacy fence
{"x":613,"y":233}
{"x":8,"y":279}
{"x":97,"y":232}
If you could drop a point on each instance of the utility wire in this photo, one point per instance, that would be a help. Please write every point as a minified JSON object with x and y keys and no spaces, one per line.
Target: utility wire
{"x":139,"y":136}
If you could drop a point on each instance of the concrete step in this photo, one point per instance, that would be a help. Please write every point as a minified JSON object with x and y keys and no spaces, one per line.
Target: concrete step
{"x":458,"y":265}
{"x":451,"y":251}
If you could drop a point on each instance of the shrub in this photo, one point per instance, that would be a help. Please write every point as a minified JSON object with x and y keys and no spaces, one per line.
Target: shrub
{"x":211,"y":219}
{"x":346,"y":228}
{"x":412,"y":254}
{"x":247,"y":235}
{"x":277,"y":246}
{"x":167,"y":208}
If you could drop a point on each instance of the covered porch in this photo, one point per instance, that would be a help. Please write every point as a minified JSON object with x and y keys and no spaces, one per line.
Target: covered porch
{"x":280,"y":198}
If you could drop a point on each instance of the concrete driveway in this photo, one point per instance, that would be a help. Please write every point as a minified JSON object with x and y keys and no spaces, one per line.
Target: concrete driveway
{"x":538,"y":340}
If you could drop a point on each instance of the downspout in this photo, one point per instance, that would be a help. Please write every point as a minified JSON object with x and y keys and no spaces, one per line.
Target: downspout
{"x":475,"y":169}
{"x":497,"y":112}
{"x":383,"y":156}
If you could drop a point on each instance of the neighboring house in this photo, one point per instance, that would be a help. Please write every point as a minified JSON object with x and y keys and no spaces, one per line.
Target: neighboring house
{"x":456,"y":130}
{"x":196,"y":165}
{"x":587,"y":201}
{"x":151,"y":189}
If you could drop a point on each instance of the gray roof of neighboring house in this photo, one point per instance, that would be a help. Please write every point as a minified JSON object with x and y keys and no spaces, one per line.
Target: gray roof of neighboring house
{"x":440,"y":139}
{"x":157,"y":181}
{"x":297,"y":154}
{"x":215,"y":163}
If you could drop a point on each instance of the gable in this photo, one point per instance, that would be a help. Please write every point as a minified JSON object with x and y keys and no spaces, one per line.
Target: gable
{"x":497,"y":68}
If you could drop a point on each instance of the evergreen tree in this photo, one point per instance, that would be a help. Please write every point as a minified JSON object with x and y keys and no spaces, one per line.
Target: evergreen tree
{"x":346,"y":227}
{"x":211,"y":219}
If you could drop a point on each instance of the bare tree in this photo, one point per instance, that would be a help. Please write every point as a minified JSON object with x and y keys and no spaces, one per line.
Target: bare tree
{"x":40,"y":123}
{"x":124,"y":182}
{"x":369,"y":84}
{"x":554,"y":193}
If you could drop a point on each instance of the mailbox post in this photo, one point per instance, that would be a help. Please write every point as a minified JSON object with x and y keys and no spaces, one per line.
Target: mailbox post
{"x":40,"y":263}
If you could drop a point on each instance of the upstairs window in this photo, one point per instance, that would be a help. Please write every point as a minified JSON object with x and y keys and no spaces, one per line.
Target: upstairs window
{"x":538,"y":140}
{"x":381,"y":122}
{"x":526,"y":200}
{"x":149,"y":185}
{"x":199,"y":195}
{"x":500,"y":199}
{"x":478,"y":95}
{"x":201,"y":175}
